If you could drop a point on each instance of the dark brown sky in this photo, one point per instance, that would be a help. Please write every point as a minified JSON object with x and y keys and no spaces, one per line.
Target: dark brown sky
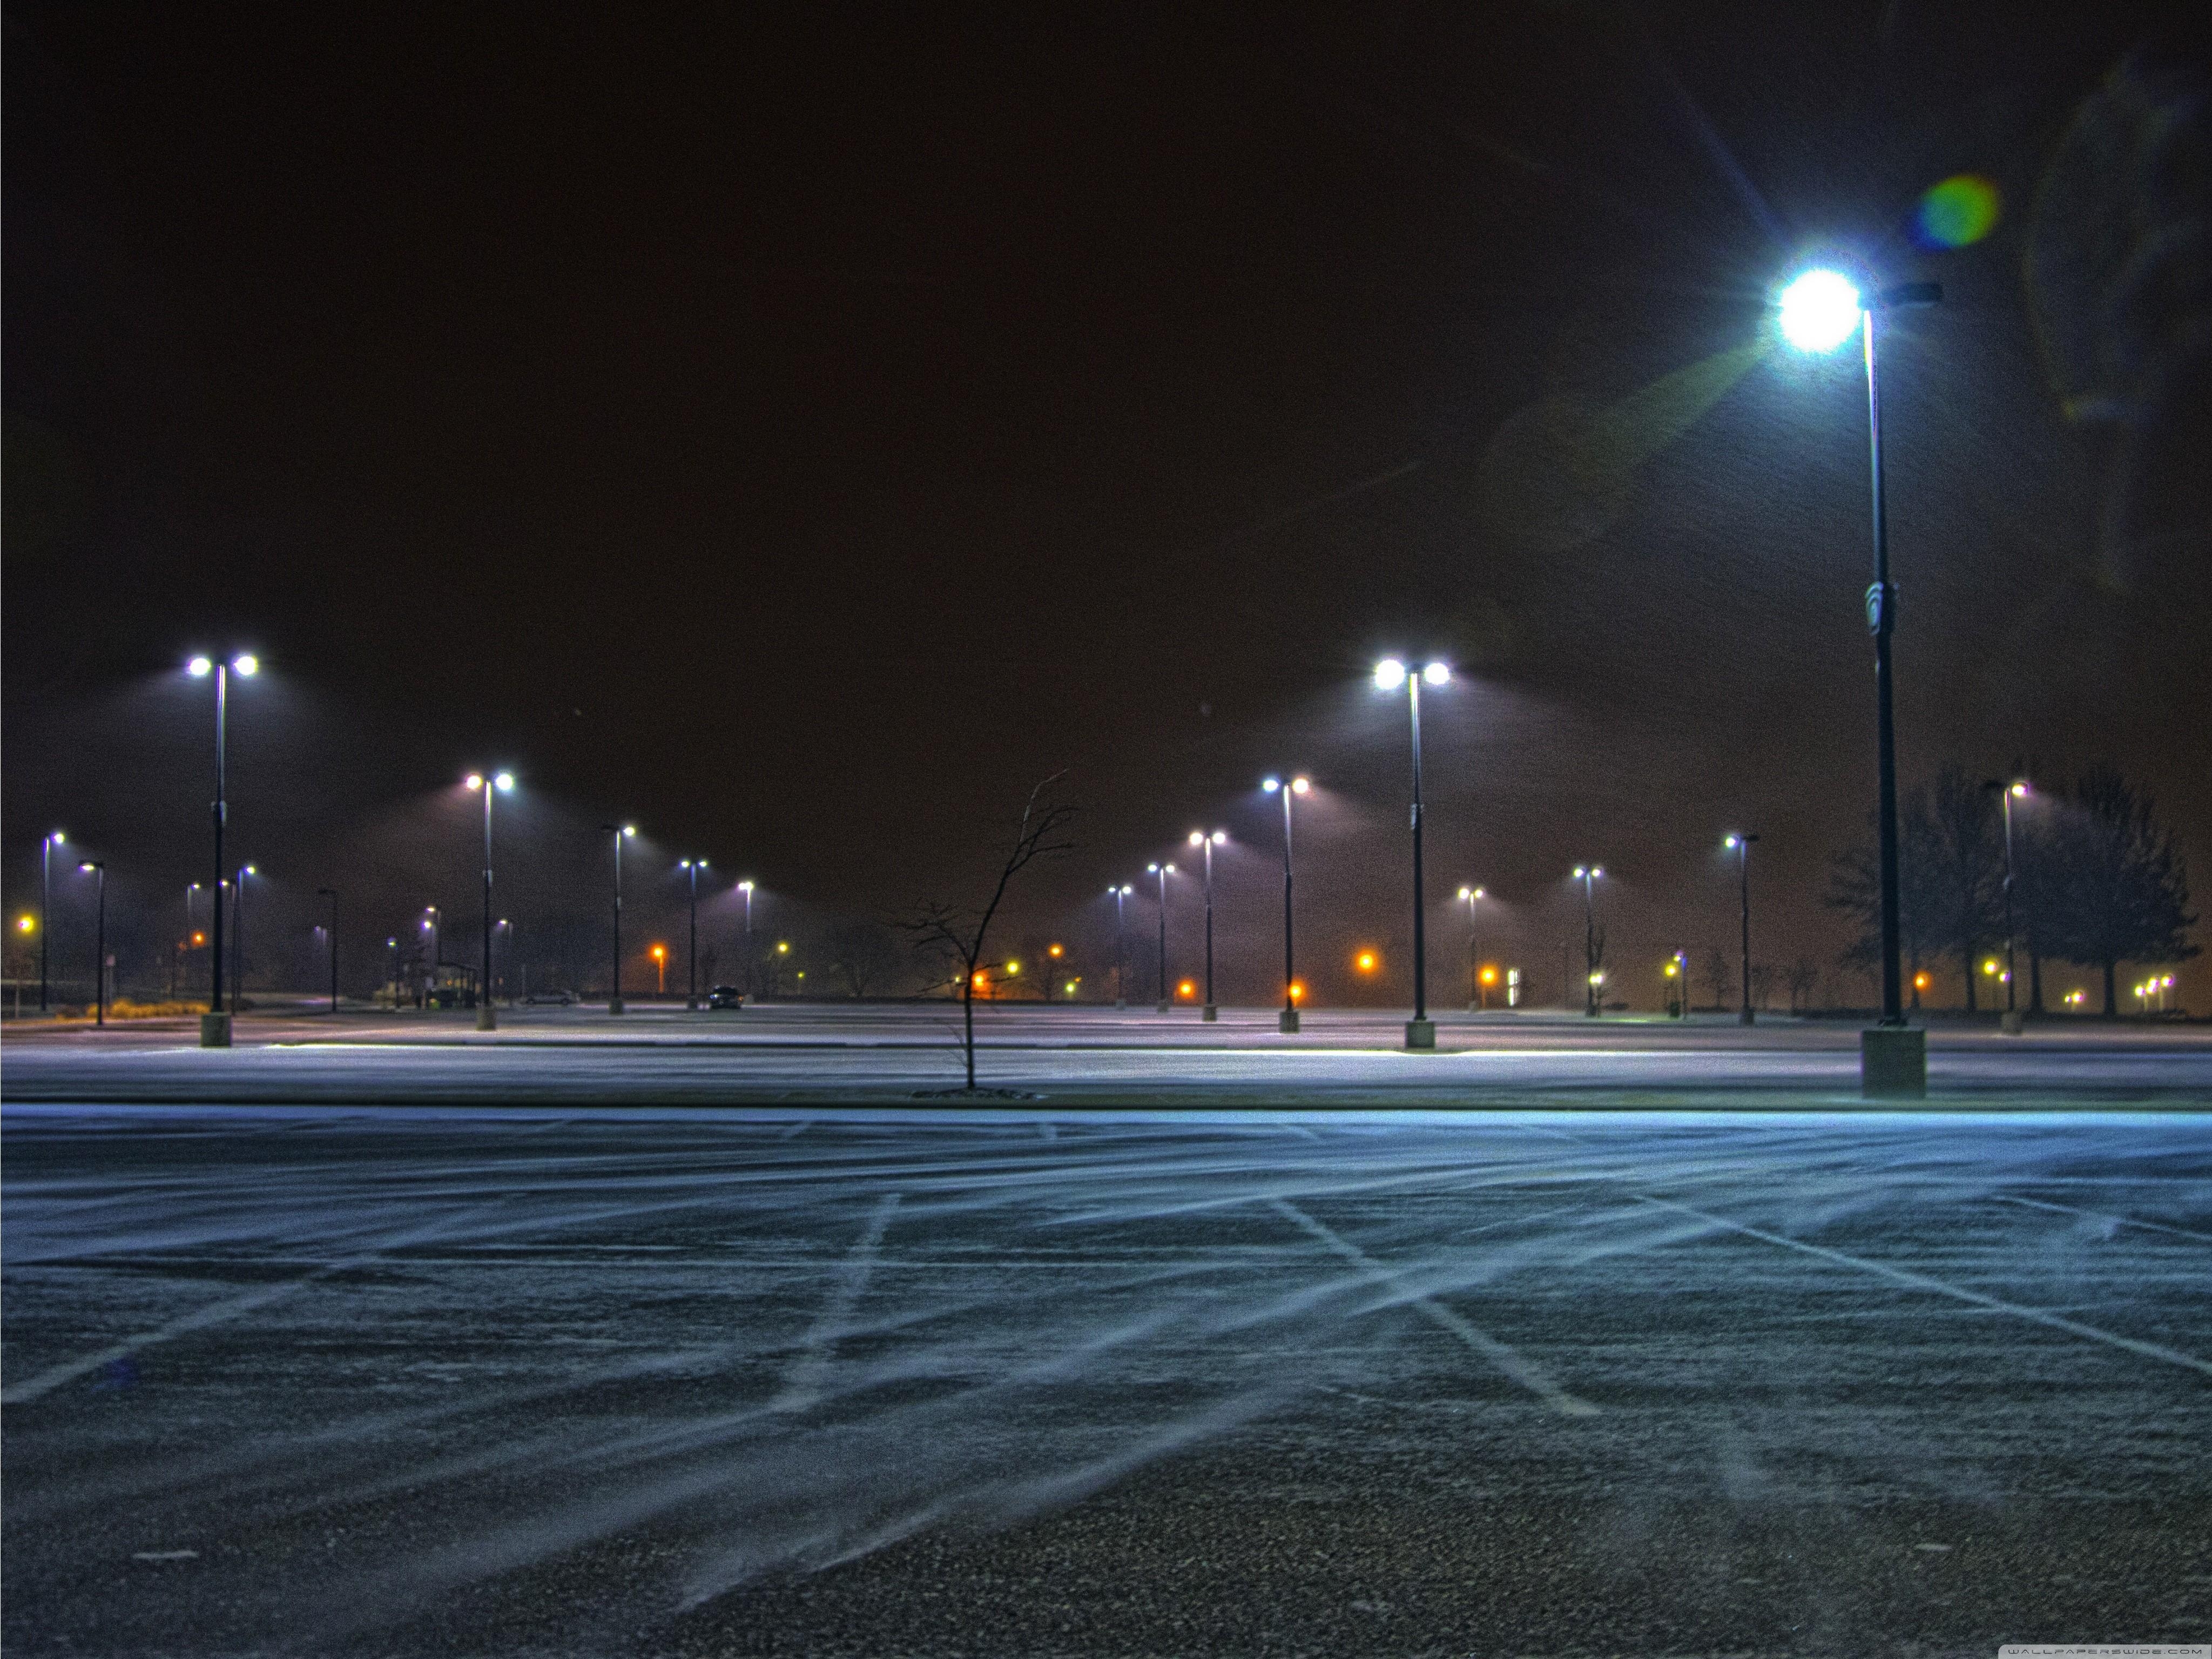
{"x":801,"y":438}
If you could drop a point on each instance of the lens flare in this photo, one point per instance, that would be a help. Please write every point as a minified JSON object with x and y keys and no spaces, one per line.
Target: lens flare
{"x":1962,"y":210}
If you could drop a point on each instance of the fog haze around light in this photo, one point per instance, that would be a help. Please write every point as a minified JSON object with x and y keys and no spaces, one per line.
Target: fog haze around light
{"x":692,"y":456}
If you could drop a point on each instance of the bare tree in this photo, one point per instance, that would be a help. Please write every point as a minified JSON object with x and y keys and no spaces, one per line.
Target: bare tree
{"x":1717,"y":975}
{"x":865,"y":955}
{"x":1804,"y":978}
{"x":1762,"y":984}
{"x":956,"y":935}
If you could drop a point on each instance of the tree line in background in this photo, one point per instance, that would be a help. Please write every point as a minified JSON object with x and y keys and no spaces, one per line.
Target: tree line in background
{"x":2096,"y":882}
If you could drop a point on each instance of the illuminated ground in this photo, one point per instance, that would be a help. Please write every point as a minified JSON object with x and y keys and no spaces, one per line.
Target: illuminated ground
{"x":805,"y":1381}
{"x":830,"y":1053}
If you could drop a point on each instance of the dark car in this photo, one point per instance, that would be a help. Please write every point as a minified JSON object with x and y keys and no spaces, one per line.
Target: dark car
{"x":726,"y":996}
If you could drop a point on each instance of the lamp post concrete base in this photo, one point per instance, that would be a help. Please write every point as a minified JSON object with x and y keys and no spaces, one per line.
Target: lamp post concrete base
{"x":1209,"y":1013}
{"x":1163,"y":1008}
{"x":1893,"y":1063}
{"x":486,"y":1019}
{"x":1120,"y":1006}
{"x":1747,"y":1018}
{"x":214,"y":1030}
{"x":1420,"y":1034}
{"x":1287,"y":1022}
{"x":614,"y":1004}
{"x":2012,"y":1021}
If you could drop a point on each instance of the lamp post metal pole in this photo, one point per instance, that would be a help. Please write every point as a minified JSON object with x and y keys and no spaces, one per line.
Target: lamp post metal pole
{"x":691,"y":867}
{"x":1206,"y":842}
{"x":615,"y":999}
{"x":1743,"y":846}
{"x":1121,"y":893}
{"x":45,"y":905}
{"x":746,"y":888}
{"x":332,"y":894}
{"x":487,"y":1020}
{"x":1288,"y":1023}
{"x":1420,"y":931}
{"x":98,"y":868}
{"x":1162,"y":870}
{"x":1881,"y":619}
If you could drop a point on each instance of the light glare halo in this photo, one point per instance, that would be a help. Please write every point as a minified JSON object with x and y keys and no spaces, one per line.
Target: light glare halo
{"x":248,"y":666}
{"x":1819,"y":311}
{"x":1436,"y":673}
{"x":1389,"y":674}
{"x":199,"y":668}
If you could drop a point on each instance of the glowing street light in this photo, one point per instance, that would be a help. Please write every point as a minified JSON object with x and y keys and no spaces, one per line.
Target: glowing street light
{"x":499,"y":783}
{"x":98,"y":868}
{"x":1740,"y":846}
{"x":1389,"y":674}
{"x":1200,"y":838}
{"x":1588,"y":874}
{"x":660,"y":955}
{"x":215,"y":1025}
{"x":621,"y":832}
{"x":1820,"y":310}
{"x":1120,"y":895}
{"x":692,"y":867}
{"x":1288,"y":1021}
{"x":1162,"y":870}
{"x":1476,"y":1000}
{"x":45,"y":904}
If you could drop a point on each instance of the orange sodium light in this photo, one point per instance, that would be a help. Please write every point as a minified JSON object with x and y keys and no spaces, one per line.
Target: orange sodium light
{"x":1365,"y":962}
{"x":1490,"y":976}
{"x":1187,"y":989}
{"x":1298,"y":990}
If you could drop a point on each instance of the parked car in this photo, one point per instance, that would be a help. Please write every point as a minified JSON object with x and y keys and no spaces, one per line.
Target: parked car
{"x":726,"y":996}
{"x":554,"y":998}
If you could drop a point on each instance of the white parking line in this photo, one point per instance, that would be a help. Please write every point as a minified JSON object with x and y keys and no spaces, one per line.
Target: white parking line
{"x":1958,"y":1292}
{"x":2099,"y":1215}
{"x":1498,"y":1353}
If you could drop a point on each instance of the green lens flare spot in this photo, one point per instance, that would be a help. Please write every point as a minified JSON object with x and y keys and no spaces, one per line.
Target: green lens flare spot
{"x":1961,"y":210}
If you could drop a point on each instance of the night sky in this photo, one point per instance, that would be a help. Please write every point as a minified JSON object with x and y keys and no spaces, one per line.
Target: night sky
{"x":797,"y":435}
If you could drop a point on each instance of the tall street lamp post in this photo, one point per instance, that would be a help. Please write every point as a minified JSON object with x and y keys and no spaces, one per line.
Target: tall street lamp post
{"x":2008,"y":793}
{"x":1740,"y":846}
{"x":692,"y":867}
{"x":1119,"y":895}
{"x":1162,"y":870}
{"x":1389,"y":674}
{"x":499,"y":783}
{"x":1819,"y":311}
{"x":1476,"y":1000}
{"x":621,"y":833}
{"x":1588,"y":875}
{"x":1288,"y":1023}
{"x":238,"y":933}
{"x":331,"y":893}
{"x":215,"y":1025}
{"x":45,"y":904}
{"x":98,"y":868}
{"x":1200,"y":838}
{"x":746,"y":888}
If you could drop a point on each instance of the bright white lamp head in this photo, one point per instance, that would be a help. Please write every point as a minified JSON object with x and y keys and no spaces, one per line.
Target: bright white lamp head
{"x":1436,"y":673}
{"x":2020,"y":792}
{"x":1389,"y":674}
{"x":630,"y":829}
{"x":503,"y":782}
{"x":1579,"y":872}
{"x":247,"y":665}
{"x":1732,"y":841}
{"x":199,"y":668}
{"x":1220,"y":837}
{"x":1271,"y":784}
{"x":1197,"y":838}
{"x":1819,"y":311}
{"x":475,"y":781}
{"x":1299,"y":785}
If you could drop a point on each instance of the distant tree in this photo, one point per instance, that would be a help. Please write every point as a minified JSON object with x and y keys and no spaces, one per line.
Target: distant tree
{"x":1958,"y":842}
{"x":1718,"y":975}
{"x":707,"y":960}
{"x":864,"y":954}
{"x":954,"y":936}
{"x":1804,"y":979}
{"x":1855,"y":889}
{"x":1762,"y":984}
{"x":2115,"y":888}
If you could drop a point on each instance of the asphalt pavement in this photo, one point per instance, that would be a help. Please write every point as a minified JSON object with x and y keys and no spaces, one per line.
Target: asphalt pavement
{"x":531,"y":1380}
